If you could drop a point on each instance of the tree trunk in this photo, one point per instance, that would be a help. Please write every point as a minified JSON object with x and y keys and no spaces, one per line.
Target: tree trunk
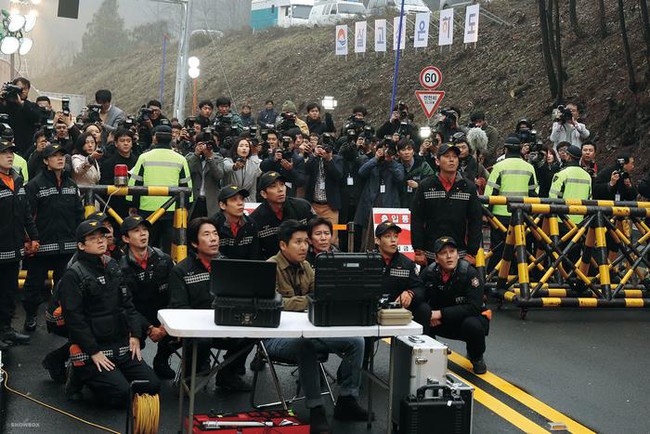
{"x":601,"y":19}
{"x":646,"y":34}
{"x":546,"y":49}
{"x":573,"y":18}
{"x":626,"y":48}
{"x":558,"y":48}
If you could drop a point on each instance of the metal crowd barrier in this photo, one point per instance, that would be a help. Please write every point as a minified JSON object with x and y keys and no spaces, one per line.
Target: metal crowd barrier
{"x":572,"y":264}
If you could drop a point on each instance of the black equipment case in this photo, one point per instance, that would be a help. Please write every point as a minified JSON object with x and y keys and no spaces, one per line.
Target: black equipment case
{"x":347,"y":289}
{"x":448,"y":411}
{"x":253,"y":312}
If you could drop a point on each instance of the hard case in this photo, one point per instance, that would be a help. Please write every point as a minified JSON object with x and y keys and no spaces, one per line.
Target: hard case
{"x":348,"y":276}
{"x":446,"y":411}
{"x":252,"y":312}
{"x":342,"y":313}
{"x":419,"y":360}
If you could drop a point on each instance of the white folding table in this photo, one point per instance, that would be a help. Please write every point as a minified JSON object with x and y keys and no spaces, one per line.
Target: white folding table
{"x":199,"y":323}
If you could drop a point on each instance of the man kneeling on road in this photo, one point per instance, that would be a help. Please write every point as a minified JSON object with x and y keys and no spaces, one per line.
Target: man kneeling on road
{"x":454,"y":293}
{"x":103,"y":325}
{"x":294,"y":280}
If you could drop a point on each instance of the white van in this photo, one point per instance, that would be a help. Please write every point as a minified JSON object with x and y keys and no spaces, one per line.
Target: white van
{"x":382,"y":7}
{"x":330,"y":12}
{"x":280,"y":13}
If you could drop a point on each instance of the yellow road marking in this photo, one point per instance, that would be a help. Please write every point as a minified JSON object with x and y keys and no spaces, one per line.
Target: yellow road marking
{"x":523,"y":397}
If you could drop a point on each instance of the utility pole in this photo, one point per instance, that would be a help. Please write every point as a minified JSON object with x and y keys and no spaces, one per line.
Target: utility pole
{"x":180,"y":87}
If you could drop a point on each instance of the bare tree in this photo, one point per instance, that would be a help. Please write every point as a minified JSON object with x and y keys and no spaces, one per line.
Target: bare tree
{"x":558,"y":54}
{"x":626,"y":49}
{"x":646,"y":34}
{"x":602,"y":23}
{"x":546,"y":47}
{"x":573,"y":18}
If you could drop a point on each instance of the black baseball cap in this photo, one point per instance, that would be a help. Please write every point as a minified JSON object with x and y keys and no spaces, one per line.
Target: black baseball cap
{"x":269,"y":178}
{"x":574,"y":152}
{"x":446,"y":147}
{"x":386,"y":226}
{"x":442,"y":242}
{"x":98,"y":216}
{"x":132,"y":222}
{"x":5,"y":145}
{"x":232,"y":190}
{"x":88,"y":227}
{"x":512,"y":142}
{"x":53,"y":149}
{"x":161,"y":129}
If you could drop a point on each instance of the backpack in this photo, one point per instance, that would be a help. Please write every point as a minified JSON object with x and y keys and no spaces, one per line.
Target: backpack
{"x":53,"y":312}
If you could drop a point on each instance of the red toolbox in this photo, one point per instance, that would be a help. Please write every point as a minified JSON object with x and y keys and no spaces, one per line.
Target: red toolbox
{"x":254,"y":422}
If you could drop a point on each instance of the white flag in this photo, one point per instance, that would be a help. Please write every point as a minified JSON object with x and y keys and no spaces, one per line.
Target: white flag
{"x":380,"y":35}
{"x":402,"y":44}
{"x":342,"y":40}
{"x":360,"y":34}
{"x":446,"y":27}
{"x":421,"y":31}
{"x":471,"y":23}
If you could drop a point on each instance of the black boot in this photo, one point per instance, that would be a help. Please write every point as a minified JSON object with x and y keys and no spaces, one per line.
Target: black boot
{"x":348,"y":408}
{"x":7,"y":333}
{"x":55,"y":367}
{"x":161,"y":366}
{"x":30,"y":322}
{"x":318,"y":421}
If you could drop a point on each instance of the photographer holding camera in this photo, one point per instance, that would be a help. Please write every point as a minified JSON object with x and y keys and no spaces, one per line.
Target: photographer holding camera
{"x":314,"y":121}
{"x":109,"y":115}
{"x":288,"y":119}
{"x":227,"y":123}
{"x":566,"y":127}
{"x":149,"y":117}
{"x":614,"y":182}
{"x":448,"y":123}
{"x":399,"y":123}
{"x":24,"y":115}
{"x":207,"y":170}
{"x":284,"y":159}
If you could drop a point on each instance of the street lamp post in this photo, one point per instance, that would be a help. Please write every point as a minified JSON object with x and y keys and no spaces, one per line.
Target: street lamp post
{"x":194,"y":72}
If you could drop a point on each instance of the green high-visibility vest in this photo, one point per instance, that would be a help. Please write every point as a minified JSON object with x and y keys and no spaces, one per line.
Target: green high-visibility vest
{"x":160,"y":167}
{"x":511,"y":177}
{"x":572,"y":182}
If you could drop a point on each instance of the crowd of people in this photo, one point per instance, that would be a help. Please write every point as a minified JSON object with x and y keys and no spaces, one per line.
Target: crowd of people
{"x":307,"y":176}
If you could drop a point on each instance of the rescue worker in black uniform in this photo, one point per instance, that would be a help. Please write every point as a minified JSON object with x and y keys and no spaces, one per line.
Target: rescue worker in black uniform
{"x":146,"y":272}
{"x":446,"y":204}
{"x":103,"y":325}
{"x":57,"y":209}
{"x":454,"y":293}
{"x":276,"y":208}
{"x":189,"y":288}
{"x":400,"y":282}
{"x":237,"y":231}
{"x":17,"y":223}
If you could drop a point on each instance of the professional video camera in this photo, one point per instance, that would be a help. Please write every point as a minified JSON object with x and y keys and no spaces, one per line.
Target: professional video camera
{"x":144,"y":114}
{"x":93,"y":112}
{"x":6,"y":132}
{"x":389,"y":145}
{"x":563,"y":114}
{"x":288,"y":121}
{"x":223,"y":125}
{"x":527,"y":136}
{"x":49,"y":129}
{"x":402,"y":108}
{"x":65,"y":106}
{"x":10,"y":92}
{"x":620,"y":168}
{"x":355,"y":124}
{"x":535,"y":155}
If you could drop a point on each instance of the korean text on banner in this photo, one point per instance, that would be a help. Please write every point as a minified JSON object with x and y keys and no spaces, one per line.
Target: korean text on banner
{"x":421,"y":30}
{"x":402,"y":218}
{"x":471,"y":24}
{"x":342,"y":40}
{"x":360,"y":34}
{"x":446,"y":27}
{"x":402,"y":44}
{"x":380,"y":35}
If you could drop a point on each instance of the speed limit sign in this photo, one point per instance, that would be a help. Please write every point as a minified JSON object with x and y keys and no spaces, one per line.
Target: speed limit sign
{"x":430,"y":77}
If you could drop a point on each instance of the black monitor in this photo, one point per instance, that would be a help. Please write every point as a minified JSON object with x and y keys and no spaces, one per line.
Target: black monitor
{"x":238,"y":278}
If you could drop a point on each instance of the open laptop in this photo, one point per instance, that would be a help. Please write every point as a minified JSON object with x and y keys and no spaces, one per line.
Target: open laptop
{"x":242,"y":278}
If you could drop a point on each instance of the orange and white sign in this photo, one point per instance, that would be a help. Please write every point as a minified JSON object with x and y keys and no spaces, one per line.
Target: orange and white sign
{"x":402,"y":218}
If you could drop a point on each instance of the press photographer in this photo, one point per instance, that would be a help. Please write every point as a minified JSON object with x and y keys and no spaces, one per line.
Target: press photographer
{"x":566,"y":127}
{"x":289,"y":120}
{"x":109,"y":115}
{"x":614,"y":182}
{"x":227,"y":123}
{"x":24,"y":115}
{"x":399,"y":123}
{"x":149,"y":117}
{"x":284,"y":160}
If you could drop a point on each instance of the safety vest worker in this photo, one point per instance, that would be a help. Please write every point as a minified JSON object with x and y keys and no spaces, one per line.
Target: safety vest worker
{"x":572,"y":182}
{"x":511,"y":177}
{"x":160,"y":166}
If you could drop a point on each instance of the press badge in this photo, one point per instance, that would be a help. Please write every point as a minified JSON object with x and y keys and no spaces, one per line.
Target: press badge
{"x":409,"y":189}
{"x":321,"y":185}
{"x":289,"y":184}
{"x":350,"y":180}
{"x":382,"y":188}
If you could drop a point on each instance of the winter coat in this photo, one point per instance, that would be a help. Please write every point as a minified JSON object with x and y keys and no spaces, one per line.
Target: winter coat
{"x":84,"y":170}
{"x":376,"y":173}
{"x":243,"y":178}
